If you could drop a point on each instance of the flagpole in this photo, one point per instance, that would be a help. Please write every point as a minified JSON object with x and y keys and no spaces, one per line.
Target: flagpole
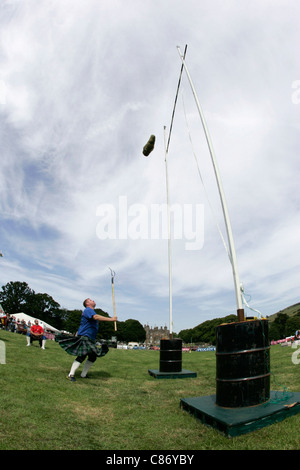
{"x":169,"y":241}
{"x":167,"y":143}
{"x":232,"y":252}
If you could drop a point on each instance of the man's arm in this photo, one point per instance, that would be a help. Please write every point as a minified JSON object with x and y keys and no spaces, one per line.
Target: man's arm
{"x":101,"y":318}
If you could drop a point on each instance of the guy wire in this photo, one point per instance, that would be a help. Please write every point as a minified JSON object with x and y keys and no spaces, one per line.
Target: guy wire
{"x":173,"y":113}
{"x":201,"y":179}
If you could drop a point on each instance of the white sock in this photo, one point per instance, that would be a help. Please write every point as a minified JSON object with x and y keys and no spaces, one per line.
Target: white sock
{"x":86,"y":368}
{"x":28,"y":340}
{"x":74,"y":367}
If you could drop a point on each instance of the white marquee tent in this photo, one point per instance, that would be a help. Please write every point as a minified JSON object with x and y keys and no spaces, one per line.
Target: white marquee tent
{"x":23,"y":316}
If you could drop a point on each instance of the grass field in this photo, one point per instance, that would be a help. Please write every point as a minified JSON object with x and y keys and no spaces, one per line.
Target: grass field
{"x":121,"y":407}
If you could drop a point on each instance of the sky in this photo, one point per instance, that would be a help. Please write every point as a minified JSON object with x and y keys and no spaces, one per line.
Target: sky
{"x":83,"y":85}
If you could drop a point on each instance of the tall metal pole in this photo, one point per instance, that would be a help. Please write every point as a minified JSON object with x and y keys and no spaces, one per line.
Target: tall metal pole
{"x":240,"y":310}
{"x":167,"y":143}
{"x":169,"y":240}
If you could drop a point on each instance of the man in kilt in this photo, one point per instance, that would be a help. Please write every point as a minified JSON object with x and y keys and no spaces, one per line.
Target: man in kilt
{"x":83,"y":345}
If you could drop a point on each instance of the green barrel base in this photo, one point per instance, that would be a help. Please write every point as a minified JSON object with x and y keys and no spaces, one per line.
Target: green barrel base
{"x":236,"y":421}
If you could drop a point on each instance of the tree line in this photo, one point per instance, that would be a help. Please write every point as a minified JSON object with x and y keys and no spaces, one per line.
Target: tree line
{"x":282,"y":327}
{"x":16,"y":297}
{"x":206,"y":331}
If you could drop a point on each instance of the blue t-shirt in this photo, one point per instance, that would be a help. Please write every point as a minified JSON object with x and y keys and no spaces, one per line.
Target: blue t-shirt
{"x":88,"y":326}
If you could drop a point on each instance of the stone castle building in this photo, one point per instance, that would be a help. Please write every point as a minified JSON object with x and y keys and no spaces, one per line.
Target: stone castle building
{"x":154,"y":335}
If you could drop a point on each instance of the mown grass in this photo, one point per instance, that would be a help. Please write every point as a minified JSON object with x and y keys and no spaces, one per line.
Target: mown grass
{"x":121,"y":407}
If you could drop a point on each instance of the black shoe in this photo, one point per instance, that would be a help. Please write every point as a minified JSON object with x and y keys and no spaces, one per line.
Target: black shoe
{"x":71,"y":378}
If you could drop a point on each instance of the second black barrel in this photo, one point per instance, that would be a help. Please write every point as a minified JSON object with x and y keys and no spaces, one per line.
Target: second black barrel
{"x":170,"y":355}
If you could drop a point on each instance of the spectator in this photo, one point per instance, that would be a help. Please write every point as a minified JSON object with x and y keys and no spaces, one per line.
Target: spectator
{"x":21,"y":327}
{"x":13,"y":322}
{"x":36,"y":334}
{"x":8,"y":324}
{"x":28,"y":332}
{"x":3,"y":322}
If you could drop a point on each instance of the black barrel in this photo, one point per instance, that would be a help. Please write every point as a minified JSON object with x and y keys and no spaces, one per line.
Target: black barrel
{"x":243,"y":364}
{"x":170,"y":355}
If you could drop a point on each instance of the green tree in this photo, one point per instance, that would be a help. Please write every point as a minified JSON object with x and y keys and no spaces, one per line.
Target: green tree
{"x":131,"y":330}
{"x":274,"y":332}
{"x":72,"y":321}
{"x":18,"y":297}
{"x":42,"y":306}
{"x":106,"y":329}
{"x":188,"y":335}
{"x":280,"y":322}
{"x":292,"y":325}
{"x":206,"y":331}
{"x":14,"y":297}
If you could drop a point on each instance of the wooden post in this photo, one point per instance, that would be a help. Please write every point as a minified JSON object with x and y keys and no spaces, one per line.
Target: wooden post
{"x":113,"y":295}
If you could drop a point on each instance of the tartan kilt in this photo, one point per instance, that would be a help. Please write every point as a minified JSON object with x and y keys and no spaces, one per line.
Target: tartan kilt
{"x":80,"y":345}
